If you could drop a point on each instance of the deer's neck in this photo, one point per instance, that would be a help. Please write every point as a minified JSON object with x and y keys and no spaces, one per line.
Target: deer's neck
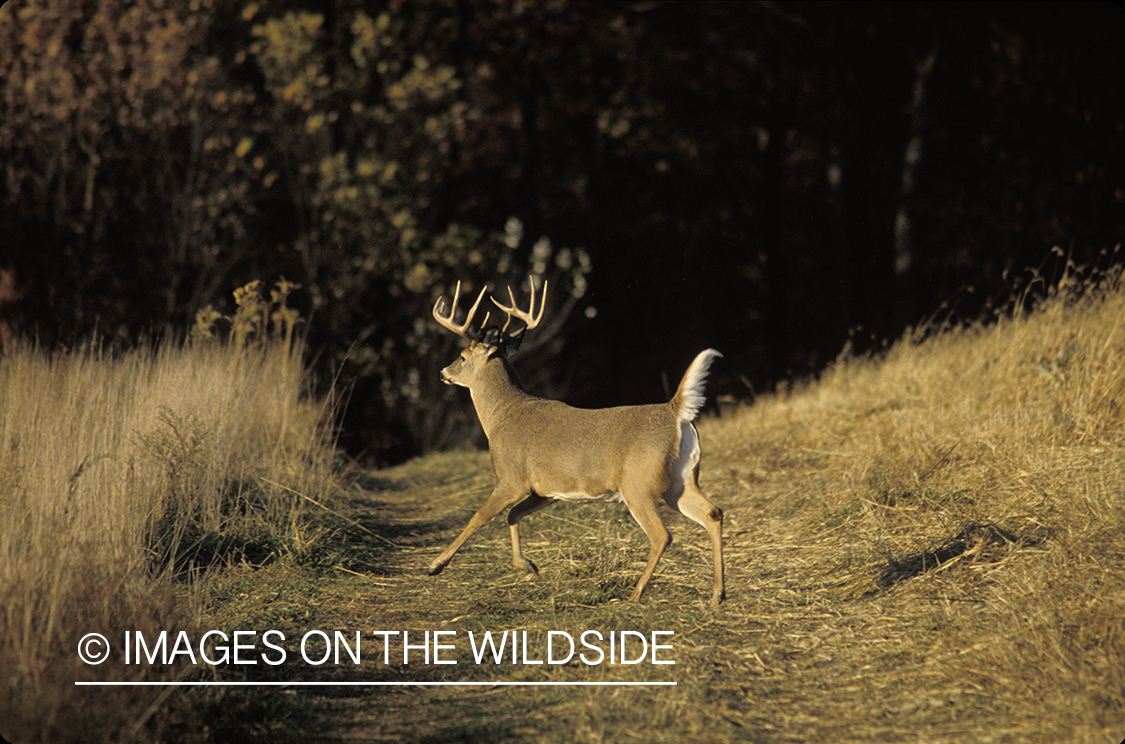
{"x":494,"y":392}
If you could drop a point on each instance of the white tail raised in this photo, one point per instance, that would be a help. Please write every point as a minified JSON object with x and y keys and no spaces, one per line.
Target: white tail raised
{"x":689,"y":396}
{"x":545,"y":451}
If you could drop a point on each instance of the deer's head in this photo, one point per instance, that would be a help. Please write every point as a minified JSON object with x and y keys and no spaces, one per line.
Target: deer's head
{"x":487,"y":344}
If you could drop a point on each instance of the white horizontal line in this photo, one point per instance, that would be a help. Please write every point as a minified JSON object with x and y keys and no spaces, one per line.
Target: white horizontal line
{"x":376,"y":684}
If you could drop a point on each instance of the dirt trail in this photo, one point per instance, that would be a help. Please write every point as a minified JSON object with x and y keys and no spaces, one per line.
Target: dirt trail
{"x":809,"y":645}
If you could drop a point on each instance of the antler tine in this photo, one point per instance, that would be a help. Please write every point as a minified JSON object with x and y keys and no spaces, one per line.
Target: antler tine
{"x":512,"y":297}
{"x":529,"y":320}
{"x":462,"y":330}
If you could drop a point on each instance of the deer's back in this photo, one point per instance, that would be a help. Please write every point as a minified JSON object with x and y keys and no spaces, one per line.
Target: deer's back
{"x":558,"y":451}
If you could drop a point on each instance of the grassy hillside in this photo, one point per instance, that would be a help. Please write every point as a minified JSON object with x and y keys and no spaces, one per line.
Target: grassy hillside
{"x":920,"y":547}
{"x":952,"y":516}
{"x":924,"y":546}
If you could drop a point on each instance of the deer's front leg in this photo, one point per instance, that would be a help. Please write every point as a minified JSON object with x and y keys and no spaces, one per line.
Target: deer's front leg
{"x":531,"y":504}
{"x":496,"y":503}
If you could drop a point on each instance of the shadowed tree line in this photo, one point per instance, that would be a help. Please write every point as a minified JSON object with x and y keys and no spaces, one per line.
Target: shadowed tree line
{"x":773,"y":180}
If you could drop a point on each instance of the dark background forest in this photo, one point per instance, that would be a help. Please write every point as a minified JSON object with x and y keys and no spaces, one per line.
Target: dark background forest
{"x":777,"y":181}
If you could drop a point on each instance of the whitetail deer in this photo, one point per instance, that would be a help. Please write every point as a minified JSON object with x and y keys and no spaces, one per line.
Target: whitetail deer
{"x":544,"y":450}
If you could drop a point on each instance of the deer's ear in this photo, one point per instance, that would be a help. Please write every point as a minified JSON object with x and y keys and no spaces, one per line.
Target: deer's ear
{"x":511,"y":344}
{"x":501,"y":344}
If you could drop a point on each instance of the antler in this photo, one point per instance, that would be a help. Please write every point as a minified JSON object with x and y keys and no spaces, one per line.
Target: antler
{"x":514,"y":312}
{"x":462,"y":330}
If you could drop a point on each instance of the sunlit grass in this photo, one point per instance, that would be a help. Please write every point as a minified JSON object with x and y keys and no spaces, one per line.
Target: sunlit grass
{"x":923,"y":545}
{"x":121,"y":478}
{"x":920,"y":546}
{"x":972,"y":480}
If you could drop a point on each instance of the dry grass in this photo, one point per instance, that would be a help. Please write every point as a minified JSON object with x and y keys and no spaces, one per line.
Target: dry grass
{"x":954,"y":513}
{"x":922,"y":547}
{"x":121,"y":477}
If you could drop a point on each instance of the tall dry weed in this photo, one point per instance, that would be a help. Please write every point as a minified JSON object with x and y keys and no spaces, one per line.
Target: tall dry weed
{"x":119,"y":477}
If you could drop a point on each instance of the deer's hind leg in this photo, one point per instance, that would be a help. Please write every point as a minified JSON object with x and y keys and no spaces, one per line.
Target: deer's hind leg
{"x":685,"y":496}
{"x":695,"y":506}
{"x":642,"y":505}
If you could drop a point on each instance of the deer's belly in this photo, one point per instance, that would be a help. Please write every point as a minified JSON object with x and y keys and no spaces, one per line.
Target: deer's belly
{"x":610,"y":496}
